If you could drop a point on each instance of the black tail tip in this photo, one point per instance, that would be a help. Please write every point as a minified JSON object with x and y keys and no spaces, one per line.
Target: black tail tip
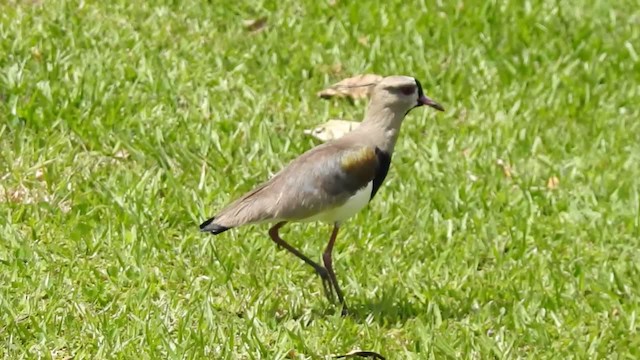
{"x":215,"y":229}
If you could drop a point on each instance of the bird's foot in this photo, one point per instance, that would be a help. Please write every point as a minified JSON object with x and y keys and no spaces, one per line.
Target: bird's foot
{"x":326,"y":283}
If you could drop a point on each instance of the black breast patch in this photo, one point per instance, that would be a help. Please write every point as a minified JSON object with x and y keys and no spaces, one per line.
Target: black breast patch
{"x":384,"y":162}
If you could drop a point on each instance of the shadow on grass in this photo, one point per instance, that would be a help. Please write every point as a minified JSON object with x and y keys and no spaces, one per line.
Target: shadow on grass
{"x":398,"y":307}
{"x":394,"y":305}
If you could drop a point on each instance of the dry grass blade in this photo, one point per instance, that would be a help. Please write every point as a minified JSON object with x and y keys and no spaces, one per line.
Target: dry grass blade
{"x":506,"y":168}
{"x":332,"y":129}
{"x":360,"y":353}
{"x":357,"y":87}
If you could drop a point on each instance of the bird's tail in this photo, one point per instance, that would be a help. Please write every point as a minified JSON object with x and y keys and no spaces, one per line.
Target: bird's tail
{"x":211,"y":227}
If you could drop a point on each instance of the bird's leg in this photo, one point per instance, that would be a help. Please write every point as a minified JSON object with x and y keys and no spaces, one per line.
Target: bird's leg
{"x":328,"y":264}
{"x":320,"y":270}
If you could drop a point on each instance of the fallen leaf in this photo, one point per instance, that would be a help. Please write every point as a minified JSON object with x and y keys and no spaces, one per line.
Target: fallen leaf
{"x":255,"y":25}
{"x":506,"y":169}
{"x":20,"y":195}
{"x":364,"y":40}
{"x":35,"y":52}
{"x":292,"y":354}
{"x":361,"y":353}
{"x":332,"y":129}
{"x":28,"y":196}
{"x":121,"y":154}
{"x":357,"y":87}
{"x":61,"y":354}
{"x":40,"y":174}
{"x":336,"y":68}
{"x":553,"y":183}
{"x":65,"y":206}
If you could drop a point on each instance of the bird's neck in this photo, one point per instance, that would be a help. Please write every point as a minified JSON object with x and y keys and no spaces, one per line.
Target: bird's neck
{"x":381,"y":126}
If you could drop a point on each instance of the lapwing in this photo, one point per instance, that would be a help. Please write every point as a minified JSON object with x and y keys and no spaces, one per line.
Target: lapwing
{"x":332,"y":129}
{"x":332,"y":181}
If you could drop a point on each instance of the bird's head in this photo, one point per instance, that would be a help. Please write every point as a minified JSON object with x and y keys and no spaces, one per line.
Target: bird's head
{"x":402,"y":93}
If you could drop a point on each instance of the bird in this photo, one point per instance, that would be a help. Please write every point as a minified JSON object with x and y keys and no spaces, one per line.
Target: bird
{"x":332,"y":129}
{"x":330,"y":182}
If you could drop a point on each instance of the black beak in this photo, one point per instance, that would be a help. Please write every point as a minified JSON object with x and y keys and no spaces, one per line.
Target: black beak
{"x":424,"y":100}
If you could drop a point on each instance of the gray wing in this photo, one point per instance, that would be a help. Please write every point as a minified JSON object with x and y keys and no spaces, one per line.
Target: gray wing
{"x":320,"y":179}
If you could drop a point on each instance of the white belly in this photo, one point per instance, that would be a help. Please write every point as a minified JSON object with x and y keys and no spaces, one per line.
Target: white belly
{"x":347,"y":210}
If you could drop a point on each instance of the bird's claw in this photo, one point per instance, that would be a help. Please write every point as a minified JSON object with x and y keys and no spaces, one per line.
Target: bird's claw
{"x":326,"y":283}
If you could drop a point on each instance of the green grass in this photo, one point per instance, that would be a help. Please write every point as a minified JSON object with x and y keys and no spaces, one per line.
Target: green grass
{"x":100,"y":255}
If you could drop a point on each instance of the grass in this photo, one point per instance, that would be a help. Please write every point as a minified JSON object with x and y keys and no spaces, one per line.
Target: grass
{"x":124,"y":124}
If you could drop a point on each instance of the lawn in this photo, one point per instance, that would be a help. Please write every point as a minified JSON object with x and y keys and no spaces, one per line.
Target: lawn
{"x":509,"y":226}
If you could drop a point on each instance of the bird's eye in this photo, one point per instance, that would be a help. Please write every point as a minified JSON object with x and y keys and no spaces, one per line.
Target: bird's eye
{"x":408,"y":90}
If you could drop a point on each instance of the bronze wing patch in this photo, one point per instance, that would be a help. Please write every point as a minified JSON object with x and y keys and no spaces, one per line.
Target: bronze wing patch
{"x":360,"y":164}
